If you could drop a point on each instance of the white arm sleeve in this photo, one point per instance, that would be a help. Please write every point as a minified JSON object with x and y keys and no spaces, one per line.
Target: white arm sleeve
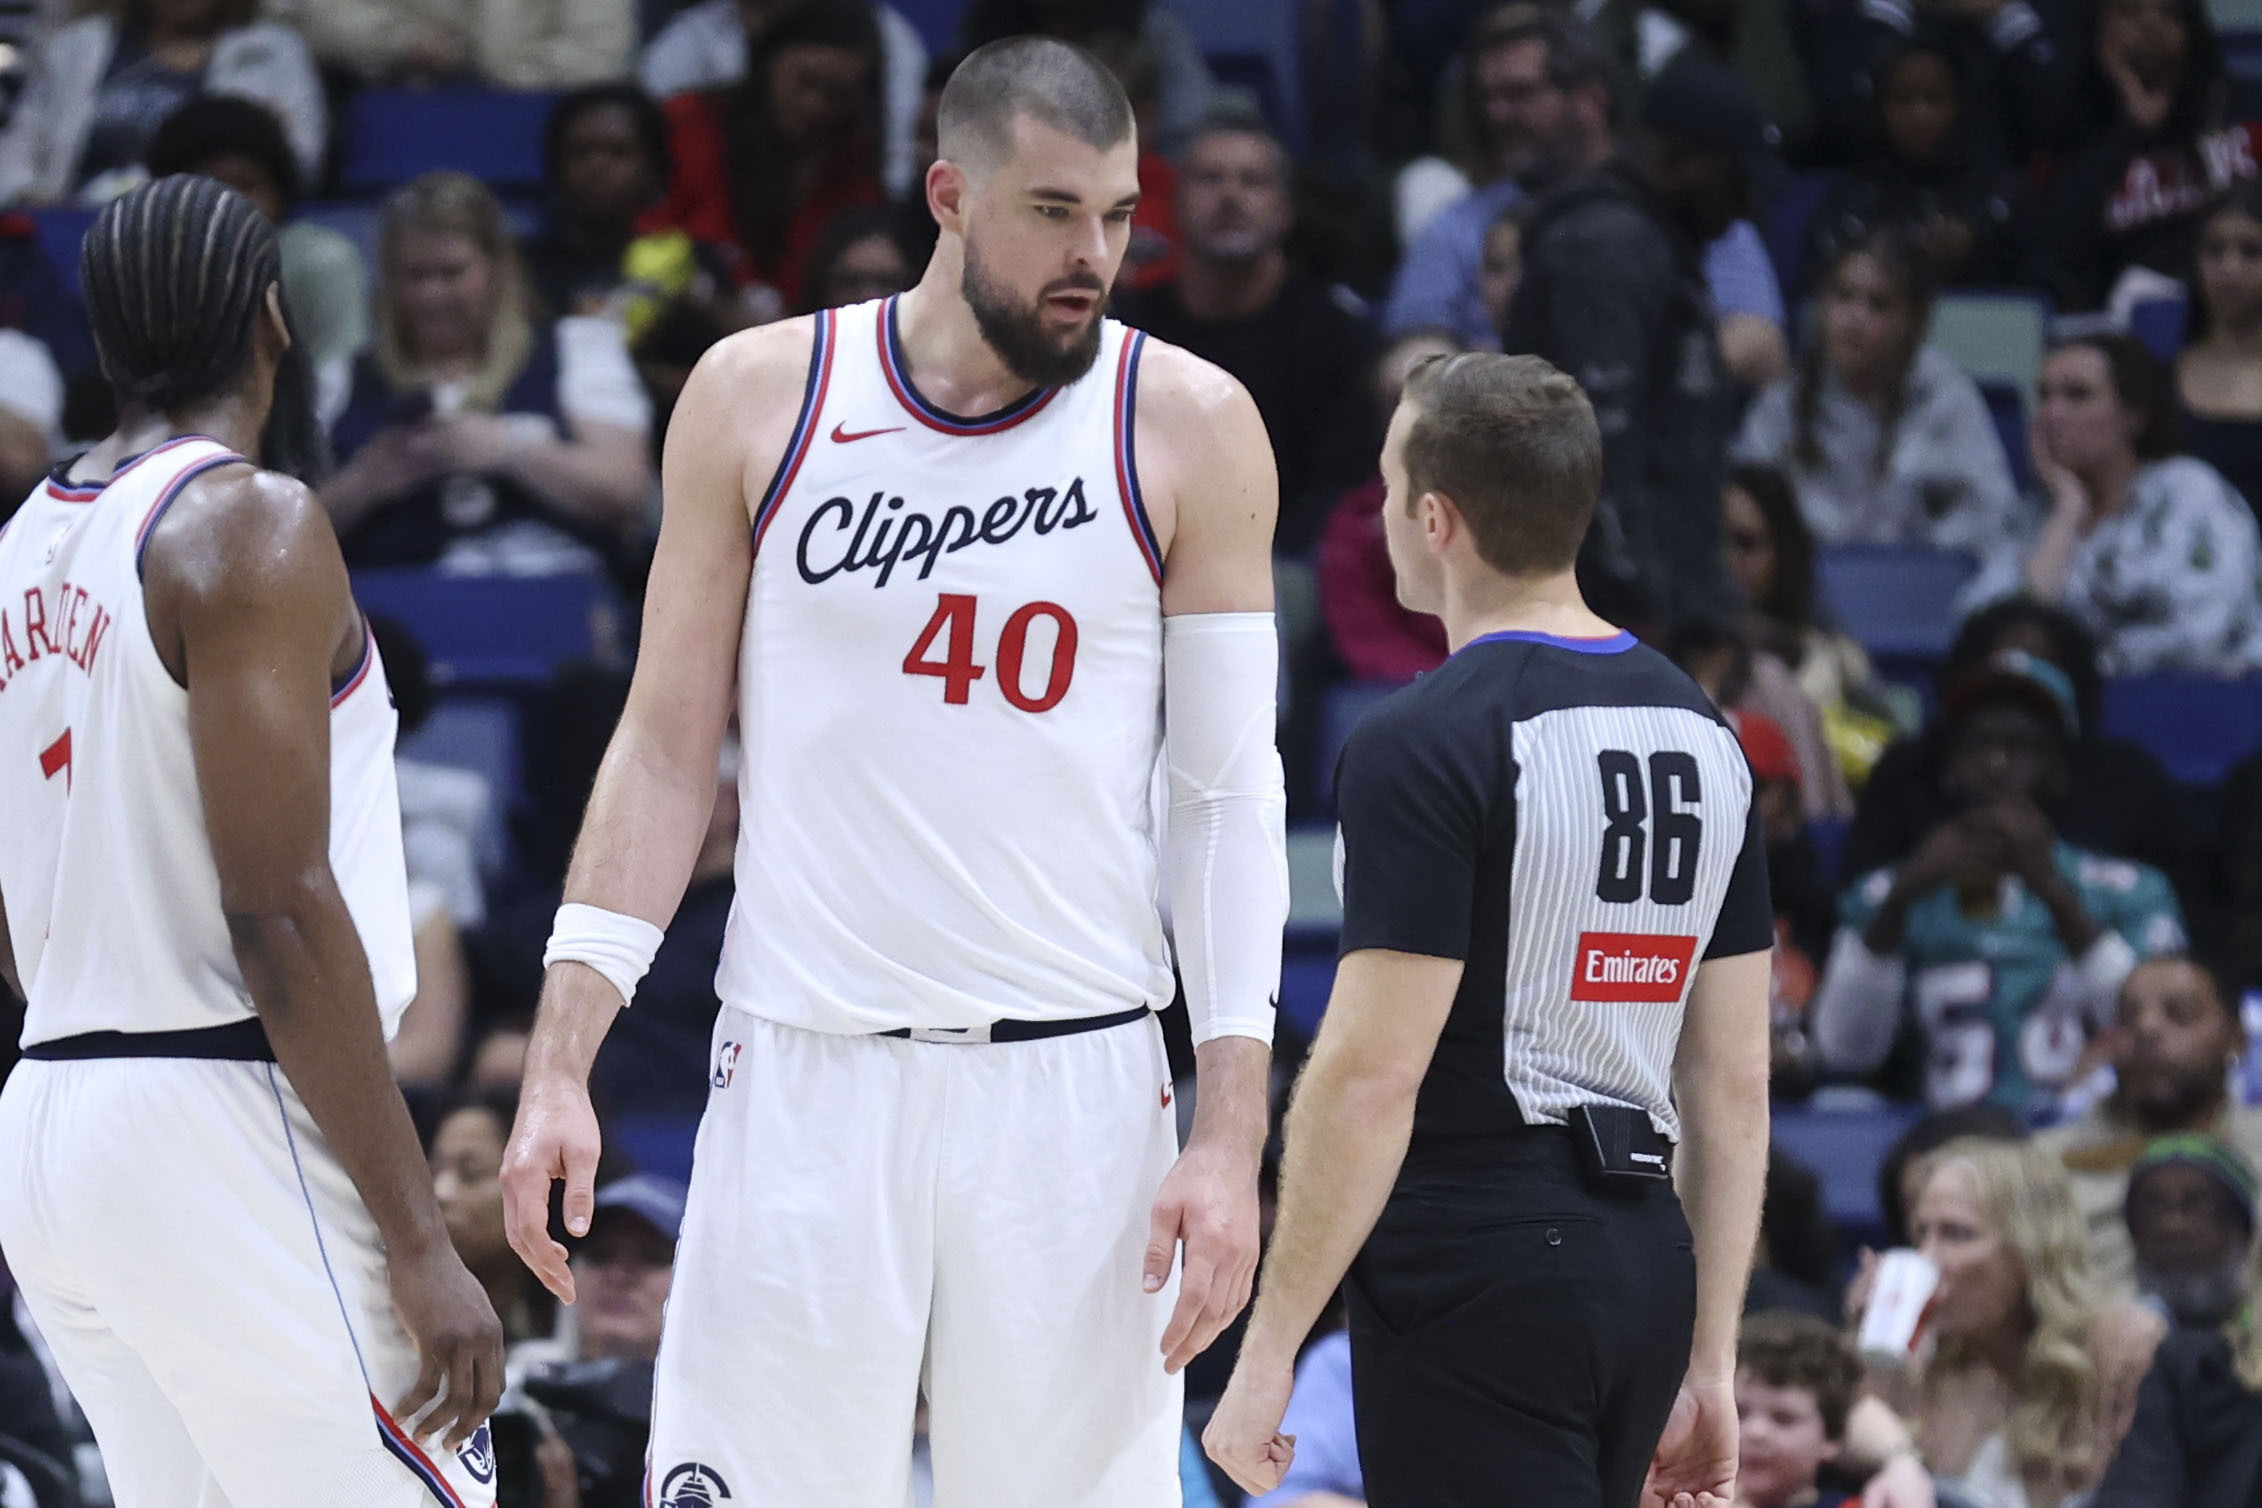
{"x":1857,"y":1010}
{"x":1226,"y":853}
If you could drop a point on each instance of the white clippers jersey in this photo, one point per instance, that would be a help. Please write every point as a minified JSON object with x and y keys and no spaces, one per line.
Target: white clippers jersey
{"x":112,"y":895}
{"x":951,"y":701}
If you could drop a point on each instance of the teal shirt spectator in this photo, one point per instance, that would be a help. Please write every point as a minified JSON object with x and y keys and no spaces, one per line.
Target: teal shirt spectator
{"x":2003,"y":1008}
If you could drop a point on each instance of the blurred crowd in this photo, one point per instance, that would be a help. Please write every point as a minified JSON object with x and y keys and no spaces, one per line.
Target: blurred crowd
{"x":1738,"y":223}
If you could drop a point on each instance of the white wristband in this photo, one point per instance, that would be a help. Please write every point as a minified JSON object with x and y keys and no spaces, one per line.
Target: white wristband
{"x":619,"y":947}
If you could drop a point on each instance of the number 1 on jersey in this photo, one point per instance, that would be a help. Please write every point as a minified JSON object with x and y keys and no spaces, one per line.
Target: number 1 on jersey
{"x":55,"y":760}
{"x":957,"y":670}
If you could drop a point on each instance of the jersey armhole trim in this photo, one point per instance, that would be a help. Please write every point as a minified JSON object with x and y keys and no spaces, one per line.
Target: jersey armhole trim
{"x":804,"y":427}
{"x":1126,"y":450}
{"x":168,"y":497}
{"x":340,"y":690}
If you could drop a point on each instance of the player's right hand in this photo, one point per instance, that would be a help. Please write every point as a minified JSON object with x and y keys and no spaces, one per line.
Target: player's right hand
{"x":556,"y":1139}
{"x":459,"y":1344}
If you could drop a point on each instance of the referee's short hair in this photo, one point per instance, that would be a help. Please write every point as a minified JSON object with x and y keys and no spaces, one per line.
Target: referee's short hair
{"x":1513,"y":442}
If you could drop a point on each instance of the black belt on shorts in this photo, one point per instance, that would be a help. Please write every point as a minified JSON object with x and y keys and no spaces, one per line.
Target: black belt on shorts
{"x":1019,"y":1031}
{"x":242,"y":1041}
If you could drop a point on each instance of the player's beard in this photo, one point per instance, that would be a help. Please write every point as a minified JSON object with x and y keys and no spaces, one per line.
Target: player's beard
{"x":1016,"y":330}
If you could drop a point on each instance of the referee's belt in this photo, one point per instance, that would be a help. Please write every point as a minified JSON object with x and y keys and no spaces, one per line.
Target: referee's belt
{"x":1018,"y":1031}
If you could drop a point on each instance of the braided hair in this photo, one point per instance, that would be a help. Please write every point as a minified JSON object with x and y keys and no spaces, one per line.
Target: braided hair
{"x":176,"y":274}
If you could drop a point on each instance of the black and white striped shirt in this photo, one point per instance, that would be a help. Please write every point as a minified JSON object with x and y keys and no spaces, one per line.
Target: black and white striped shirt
{"x":1572,"y":819}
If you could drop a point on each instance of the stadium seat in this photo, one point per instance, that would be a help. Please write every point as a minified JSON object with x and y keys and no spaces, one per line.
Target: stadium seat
{"x":60,"y":231}
{"x":656,"y":1143}
{"x":394,"y":135}
{"x":496,"y":632}
{"x":1996,"y":334}
{"x":1845,"y":1147}
{"x":479,"y":735}
{"x":1828,"y":835}
{"x":2007,"y":407}
{"x":2159,"y":323}
{"x":2242,"y":42}
{"x":1256,"y":45}
{"x":1785,"y":226}
{"x":1898,"y":600}
{"x":2196,"y":726}
{"x":1341,"y":707}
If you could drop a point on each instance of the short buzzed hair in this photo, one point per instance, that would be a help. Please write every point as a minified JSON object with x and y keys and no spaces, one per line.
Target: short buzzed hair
{"x":1061,"y":85}
{"x":1513,"y":442}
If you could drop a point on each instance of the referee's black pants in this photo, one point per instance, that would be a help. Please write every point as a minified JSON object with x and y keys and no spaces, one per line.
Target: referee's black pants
{"x":1516,"y":1337}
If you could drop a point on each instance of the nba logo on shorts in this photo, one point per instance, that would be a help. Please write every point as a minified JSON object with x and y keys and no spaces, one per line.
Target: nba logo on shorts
{"x":478,"y":1455}
{"x":692,"y":1485}
{"x":726,"y":1064}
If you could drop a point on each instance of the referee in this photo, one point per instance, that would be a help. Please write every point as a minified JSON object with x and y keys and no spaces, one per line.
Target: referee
{"x":1550,"y":1014}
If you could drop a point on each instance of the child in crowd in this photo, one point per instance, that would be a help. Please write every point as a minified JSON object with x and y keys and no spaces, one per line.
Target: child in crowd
{"x":1795,"y":1381}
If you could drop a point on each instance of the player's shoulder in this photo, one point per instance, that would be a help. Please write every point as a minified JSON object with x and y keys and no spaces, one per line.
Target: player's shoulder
{"x":1177,"y":387}
{"x":237,"y":528}
{"x":757,"y":360}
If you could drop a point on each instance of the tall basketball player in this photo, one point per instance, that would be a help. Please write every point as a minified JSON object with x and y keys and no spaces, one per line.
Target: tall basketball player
{"x":210,"y":1192}
{"x":976,"y":560}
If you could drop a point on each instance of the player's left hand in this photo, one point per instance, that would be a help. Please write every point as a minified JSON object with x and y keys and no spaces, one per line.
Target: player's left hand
{"x":1208,"y":1203}
{"x":1695,"y":1462}
{"x":1244,"y":1436}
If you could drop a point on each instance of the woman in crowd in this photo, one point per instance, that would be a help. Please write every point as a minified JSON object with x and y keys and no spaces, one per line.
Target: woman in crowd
{"x":2151,"y":550}
{"x":100,"y":87}
{"x":466,"y":1152}
{"x":477,"y":435}
{"x":860,"y":257}
{"x":2007,"y":1405}
{"x":1885,"y":439}
{"x":2171,"y":132}
{"x":2219,"y":374}
{"x":765,"y":165}
{"x":1770,"y":556}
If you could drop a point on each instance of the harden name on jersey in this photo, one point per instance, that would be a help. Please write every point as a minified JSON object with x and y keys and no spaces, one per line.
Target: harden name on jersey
{"x":69,"y":624}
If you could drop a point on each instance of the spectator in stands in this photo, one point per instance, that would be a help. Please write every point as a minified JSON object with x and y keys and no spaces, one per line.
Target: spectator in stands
{"x":1746,"y":681}
{"x":2175,"y":1036}
{"x":2010,"y":1405}
{"x":1795,"y":1265}
{"x":1770,"y":557}
{"x":622,"y":1268}
{"x":1502,"y":270}
{"x":2241,"y":883}
{"x":1185,"y":93}
{"x":1929,"y":175}
{"x":1375,"y":637}
{"x":2219,"y":371}
{"x":1796,"y":1378}
{"x":466,"y":1151}
{"x":2175,"y":133}
{"x":2151,"y":550}
{"x":1800,"y":895}
{"x":512,"y":44}
{"x":766,"y":164}
{"x":2191,"y":1225}
{"x":2119,"y":802}
{"x":241,"y":143}
{"x":1301,"y":348}
{"x":1545,"y":86}
{"x":705,"y":48}
{"x":101,"y":86}
{"x":477,"y":436}
{"x":861,"y":256}
{"x":2198,"y":1417}
{"x":1896,"y":1175}
{"x":31,"y":417}
{"x":1884,"y":438}
{"x":1614,"y":294}
{"x":2005,"y":945}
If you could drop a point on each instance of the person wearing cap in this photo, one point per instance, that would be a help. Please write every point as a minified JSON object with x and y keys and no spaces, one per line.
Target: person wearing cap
{"x":2006,"y":945}
{"x":1614,"y":293}
{"x":1543,"y":93}
{"x":2175,"y":1035}
{"x":2190,"y":1218}
{"x":622,"y":1269}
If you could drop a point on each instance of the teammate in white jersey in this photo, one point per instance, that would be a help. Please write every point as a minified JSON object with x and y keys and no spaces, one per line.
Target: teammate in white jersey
{"x":210,"y":1193}
{"x":979,"y":562}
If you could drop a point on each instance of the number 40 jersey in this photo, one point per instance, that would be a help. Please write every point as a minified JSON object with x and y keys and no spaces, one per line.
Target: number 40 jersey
{"x":111,"y":890}
{"x":950,"y":699}
{"x":1573,"y":821}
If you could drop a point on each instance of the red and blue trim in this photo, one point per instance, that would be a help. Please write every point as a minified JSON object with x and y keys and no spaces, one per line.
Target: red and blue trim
{"x":1126,"y":452}
{"x":804,"y":427}
{"x":898,"y":374}
{"x":65,"y":491}
{"x":166,"y":499}
{"x":406,"y":1451}
{"x":360,"y":672}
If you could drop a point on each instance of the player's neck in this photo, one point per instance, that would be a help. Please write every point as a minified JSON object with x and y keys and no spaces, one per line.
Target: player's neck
{"x":1490,"y":603}
{"x":227,"y":420}
{"x":950,"y":363}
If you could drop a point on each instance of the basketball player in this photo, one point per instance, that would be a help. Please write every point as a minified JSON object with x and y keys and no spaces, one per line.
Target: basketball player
{"x":210,"y":1192}
{"x":1551,"y":1009}
{"x":977,"y":559}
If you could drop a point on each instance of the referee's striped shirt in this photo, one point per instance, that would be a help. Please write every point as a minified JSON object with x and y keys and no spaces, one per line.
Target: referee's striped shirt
{"x":1572,"y":819}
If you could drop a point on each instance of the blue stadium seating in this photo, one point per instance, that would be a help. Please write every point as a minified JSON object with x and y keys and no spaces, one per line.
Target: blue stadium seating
{"x":60,"y":231}
{"x":1257,"y":45}
{"x":1845,"y":1147}
{"x":394,"y":135}
{"x":479,"y":734}
{"x":496,"y":632}
{"x":1898,"y":600}
{"x":1340,"y":712}
{"x":2160,"y":323}
{"x":656,"y":1143}
{"x":2196,"y":726}
{"x":1785,"y":226}
{"x":2242,"y":53}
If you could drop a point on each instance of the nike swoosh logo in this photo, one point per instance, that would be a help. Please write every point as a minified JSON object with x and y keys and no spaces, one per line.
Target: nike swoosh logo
{"x":843,"y":436}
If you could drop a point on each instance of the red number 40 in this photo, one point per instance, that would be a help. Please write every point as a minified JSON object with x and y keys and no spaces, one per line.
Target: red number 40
{"x":957,"y":670}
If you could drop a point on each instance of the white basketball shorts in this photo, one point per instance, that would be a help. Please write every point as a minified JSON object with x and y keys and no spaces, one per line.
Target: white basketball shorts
{"x":871,"y":1217}
{"x":213,"y":1290}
